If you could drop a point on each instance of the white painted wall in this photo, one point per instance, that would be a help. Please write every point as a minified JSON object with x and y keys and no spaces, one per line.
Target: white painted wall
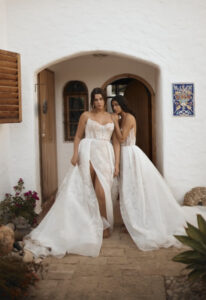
{"x":5,"y":174}
{"x":94,"y":72}
{"x":168,"y":34}
{"x":3,"y":24}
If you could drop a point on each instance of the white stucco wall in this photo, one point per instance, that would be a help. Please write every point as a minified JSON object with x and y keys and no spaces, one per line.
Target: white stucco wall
{"x":5,"y":174}
{"x":169,"y":34}
{"x":3,"y":24}
{"x":94,"y":72}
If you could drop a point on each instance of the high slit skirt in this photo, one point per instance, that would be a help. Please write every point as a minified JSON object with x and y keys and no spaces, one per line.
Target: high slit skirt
{"x":74,"y":223}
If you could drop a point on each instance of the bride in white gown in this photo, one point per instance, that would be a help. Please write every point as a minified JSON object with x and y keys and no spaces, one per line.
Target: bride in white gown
{"x":83,"y":207}
{"x":149,"y":211}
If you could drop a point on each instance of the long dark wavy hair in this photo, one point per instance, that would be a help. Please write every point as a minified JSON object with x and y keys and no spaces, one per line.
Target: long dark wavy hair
{"x":96,"y":91}
{"x":123,"y":104}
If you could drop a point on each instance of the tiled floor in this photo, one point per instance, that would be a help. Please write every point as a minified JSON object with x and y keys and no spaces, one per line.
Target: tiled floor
{"x":120,"y":272}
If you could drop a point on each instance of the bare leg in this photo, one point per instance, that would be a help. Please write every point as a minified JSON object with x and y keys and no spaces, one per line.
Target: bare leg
{"x":92,"y":173}
{"x":100,"y":197}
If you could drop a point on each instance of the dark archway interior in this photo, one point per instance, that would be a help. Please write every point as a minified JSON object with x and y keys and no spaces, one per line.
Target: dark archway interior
{"x":139,"y":101}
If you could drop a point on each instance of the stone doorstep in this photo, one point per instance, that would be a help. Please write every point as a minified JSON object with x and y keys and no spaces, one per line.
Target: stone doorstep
{"x":119,"y":251}
{"x":98,"y":271}
{"x":166,"y":254}
{"x":82,"y":261}
{"x":92,"y":266}
{"x":74,"y":271}
{"x":135,"y":252}
{"x":118,"y":244}
{"x":116,"y":269}
{"x":121,"y":260}
{"x":93,"y":260}
{"x":112,"y":252}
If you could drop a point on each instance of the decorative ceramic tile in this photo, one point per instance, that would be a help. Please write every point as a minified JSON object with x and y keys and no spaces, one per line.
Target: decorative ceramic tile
{"x":183,"y":99}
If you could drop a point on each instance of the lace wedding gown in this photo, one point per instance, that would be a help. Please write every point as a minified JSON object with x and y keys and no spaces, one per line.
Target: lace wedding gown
{"x":74,"y":224}
{"x":150,"y":212}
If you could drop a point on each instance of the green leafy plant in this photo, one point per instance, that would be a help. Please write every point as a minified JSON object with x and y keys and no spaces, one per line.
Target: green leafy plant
{"x":194,"y":259}
{"x":19,"y":204}
{"x":15,"y":278}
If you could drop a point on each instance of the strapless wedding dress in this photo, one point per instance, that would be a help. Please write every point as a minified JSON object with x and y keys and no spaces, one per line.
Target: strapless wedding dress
{"x":149,"y":210}
{"x":74,"y":224}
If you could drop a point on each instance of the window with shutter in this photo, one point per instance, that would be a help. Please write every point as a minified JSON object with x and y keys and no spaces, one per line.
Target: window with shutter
{"x":10,"y":87}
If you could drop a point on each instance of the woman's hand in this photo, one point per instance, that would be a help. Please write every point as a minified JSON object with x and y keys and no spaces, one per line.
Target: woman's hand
{"x":115,"y":117}
{"x":75,"y":160}
{"x":116,"y":171}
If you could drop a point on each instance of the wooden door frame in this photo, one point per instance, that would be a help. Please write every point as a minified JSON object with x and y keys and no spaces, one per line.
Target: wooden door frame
{"x":148,"y":86}
{"x":40,"y":140}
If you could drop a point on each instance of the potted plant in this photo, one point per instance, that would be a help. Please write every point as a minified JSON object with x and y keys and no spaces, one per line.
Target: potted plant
{"x":19,"y":209}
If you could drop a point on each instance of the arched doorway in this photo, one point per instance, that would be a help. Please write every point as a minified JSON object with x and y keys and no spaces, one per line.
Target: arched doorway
{"x":71,"y":71}
{"x":140,"y":98}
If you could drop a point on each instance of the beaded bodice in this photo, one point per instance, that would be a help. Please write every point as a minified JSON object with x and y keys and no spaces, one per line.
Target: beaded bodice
{"x":131,"y":139}
{"x":95,"y":130}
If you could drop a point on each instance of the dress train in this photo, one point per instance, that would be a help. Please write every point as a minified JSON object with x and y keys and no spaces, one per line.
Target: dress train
{"x":149,"y":210}
{"x":74,"y":223}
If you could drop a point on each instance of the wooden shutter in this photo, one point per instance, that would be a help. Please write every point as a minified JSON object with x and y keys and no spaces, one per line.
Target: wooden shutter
{"x":10,"y":87}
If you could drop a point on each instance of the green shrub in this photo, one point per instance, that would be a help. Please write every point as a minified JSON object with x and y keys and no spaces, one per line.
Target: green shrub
{"x":195,"y":259}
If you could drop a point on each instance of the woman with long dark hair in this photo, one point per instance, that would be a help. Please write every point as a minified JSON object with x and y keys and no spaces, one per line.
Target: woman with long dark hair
{"x":83,"y":210}
{"x":150,"y":212}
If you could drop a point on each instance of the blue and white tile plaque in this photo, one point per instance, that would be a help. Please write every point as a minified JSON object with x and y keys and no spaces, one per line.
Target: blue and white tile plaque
{"x":183,"y":99}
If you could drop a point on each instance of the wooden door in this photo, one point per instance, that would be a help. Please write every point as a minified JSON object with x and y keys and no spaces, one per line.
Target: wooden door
{"x":139,"y":100}
{"x":47,"y":134}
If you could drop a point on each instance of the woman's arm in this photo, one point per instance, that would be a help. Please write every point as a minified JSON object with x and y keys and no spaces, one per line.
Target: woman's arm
{"x":122,"y":135}
{"x":78,"y":136}
{"x":116,"y":146}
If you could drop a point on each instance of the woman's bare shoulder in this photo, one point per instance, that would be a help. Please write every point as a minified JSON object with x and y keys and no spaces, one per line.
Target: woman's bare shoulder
{"x":85,"y":115}
{"x":131,"y":118}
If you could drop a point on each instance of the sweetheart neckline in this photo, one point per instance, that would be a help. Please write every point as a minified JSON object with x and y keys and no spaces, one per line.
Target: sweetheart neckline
{"x":99,"y":123}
